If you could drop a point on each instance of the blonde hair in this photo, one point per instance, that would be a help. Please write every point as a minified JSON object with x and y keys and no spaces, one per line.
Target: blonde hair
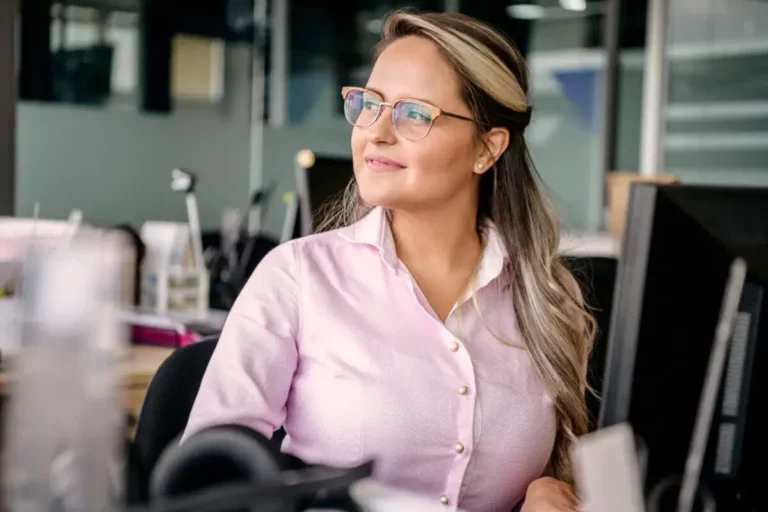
{"x":555,"y":324}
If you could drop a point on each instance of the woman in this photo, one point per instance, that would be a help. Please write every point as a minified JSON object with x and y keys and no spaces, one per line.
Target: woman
{"x":436,"y":332}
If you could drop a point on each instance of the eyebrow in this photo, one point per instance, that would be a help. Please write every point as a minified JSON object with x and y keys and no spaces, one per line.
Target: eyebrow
{"x":404,"y":97}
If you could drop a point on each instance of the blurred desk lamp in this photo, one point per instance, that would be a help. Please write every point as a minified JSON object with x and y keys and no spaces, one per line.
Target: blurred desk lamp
{"x":185,"y":181}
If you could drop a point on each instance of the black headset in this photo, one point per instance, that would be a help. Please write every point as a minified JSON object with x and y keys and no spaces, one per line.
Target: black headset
{"x":235,"y":469}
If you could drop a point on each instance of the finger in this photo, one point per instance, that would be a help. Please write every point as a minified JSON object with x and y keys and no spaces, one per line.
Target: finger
{"x":574,"y":498}
{"x":569,"y":499}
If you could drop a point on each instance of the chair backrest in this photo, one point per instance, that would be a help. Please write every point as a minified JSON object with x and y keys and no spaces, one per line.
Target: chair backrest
{"x":169,"y":401}
{"x":596,"y":277}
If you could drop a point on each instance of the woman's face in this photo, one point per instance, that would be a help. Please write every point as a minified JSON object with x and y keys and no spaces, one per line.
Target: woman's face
{"x":439,"y":169}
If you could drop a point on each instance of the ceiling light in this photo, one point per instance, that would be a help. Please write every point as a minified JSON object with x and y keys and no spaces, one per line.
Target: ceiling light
{"x":574,"y":5}
{"x":525,"y":11}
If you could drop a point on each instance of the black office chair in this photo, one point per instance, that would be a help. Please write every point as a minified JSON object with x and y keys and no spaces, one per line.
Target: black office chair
{"x":170,"y":397}
{"x":165,"y":411}
{"x":596,"y":277}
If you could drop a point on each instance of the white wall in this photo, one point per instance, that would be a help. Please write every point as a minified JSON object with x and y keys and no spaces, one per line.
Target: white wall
{"x":115,"y":166}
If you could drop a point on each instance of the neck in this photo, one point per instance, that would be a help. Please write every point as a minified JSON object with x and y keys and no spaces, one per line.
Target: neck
{"x":444,"y":239}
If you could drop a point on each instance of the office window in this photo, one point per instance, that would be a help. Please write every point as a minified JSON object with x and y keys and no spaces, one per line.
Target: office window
{"x":94,"y":55}
{"x":133,"y":55}
{"x":717,"y":110}
{"x":562,"y":43}
{"x":331,"y":45}
{"x":114,"y":94}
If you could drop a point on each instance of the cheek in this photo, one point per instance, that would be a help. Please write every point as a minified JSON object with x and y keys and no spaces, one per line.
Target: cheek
{"x":358,"y":143}
{"x":444,"y":161}
{"x":439,"y":167}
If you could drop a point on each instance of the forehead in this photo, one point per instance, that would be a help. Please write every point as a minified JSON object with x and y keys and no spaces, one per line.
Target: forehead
{"x":413,"y":67}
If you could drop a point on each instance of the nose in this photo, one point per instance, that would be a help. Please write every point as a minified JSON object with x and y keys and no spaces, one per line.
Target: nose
{"x":382,"y":131}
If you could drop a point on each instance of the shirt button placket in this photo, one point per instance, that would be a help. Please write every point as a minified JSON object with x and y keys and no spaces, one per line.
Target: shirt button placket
{"x":466,"y":418}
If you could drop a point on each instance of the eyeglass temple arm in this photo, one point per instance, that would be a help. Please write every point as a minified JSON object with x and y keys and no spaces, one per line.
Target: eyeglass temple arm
{"x":457,"y":116}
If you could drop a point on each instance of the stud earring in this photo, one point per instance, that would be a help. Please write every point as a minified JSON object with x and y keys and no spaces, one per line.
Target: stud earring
{"x":479,"y":166}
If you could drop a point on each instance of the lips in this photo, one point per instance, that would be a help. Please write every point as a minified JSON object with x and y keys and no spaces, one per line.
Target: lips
{"x":381,"y":163}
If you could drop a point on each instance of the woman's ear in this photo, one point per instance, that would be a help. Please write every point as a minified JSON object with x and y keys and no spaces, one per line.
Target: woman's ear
{"x":495,"y":142}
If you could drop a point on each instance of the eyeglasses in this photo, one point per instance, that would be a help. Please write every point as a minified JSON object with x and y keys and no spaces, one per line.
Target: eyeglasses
{"x":412,"y":119}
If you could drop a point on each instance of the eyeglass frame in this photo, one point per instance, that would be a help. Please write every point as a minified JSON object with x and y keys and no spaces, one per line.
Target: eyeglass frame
{"x":434,"y":111}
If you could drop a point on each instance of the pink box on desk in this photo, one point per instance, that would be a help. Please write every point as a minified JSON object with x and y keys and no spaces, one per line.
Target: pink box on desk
{"x":165,"y":330}
{"x":162,"y":337}
{"x":172,"y":329}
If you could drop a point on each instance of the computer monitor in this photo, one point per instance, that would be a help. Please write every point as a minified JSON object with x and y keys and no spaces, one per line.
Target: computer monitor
{"x":320,"y":179}
{"x":678,"y":246}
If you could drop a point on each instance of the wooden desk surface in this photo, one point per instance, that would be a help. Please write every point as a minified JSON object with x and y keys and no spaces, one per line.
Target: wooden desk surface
{"x":138,"y":370}
{"x":143,"y":363}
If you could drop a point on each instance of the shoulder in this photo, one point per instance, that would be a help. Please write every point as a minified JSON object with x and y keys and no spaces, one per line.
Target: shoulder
{"x":309,"y":247}
{"x":291,"y":255}
{"x":320,"y":242}
{"x":327,"y":253}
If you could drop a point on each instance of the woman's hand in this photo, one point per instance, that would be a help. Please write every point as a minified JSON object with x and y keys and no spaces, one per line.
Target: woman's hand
{"x":549,"y":495}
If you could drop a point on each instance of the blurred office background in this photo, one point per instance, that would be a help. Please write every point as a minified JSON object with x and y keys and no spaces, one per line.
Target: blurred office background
{"x":113,"y":94}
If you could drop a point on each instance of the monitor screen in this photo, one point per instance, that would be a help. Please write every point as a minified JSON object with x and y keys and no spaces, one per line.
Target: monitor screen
{"x":678,"y":247}
{"x":321,"y":180}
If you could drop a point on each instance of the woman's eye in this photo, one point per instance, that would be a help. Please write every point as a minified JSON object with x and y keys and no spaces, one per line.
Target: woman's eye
{"x":418,"y":116}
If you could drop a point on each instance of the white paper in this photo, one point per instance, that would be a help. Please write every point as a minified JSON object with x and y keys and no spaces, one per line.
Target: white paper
{"x":607,"y":472}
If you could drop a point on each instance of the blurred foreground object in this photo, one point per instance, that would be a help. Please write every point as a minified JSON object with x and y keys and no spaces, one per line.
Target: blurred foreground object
{"x":235,"y":468}
{"x":17,"y":237}
{"x":63,"y":422}
{"x":618,"y":188}
{"x":607,"y":471}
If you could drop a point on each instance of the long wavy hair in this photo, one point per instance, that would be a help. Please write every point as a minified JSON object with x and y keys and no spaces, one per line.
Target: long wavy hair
{"x":554,"y":321}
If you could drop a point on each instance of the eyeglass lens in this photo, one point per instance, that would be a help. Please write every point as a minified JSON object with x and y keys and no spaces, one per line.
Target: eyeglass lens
{"x":412,"y":120}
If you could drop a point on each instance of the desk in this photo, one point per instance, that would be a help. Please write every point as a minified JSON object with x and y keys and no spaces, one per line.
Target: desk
{"x":137,"y":372}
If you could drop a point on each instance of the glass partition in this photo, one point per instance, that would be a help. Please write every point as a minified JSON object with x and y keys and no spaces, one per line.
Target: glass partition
{"x":717,"y":108}
{"x":114,"y":94}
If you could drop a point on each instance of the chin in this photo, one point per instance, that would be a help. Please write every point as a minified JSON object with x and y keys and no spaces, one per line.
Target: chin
{"x":387,"y":191}
{"x":384,"y":199}
{"x":377,"y":200}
